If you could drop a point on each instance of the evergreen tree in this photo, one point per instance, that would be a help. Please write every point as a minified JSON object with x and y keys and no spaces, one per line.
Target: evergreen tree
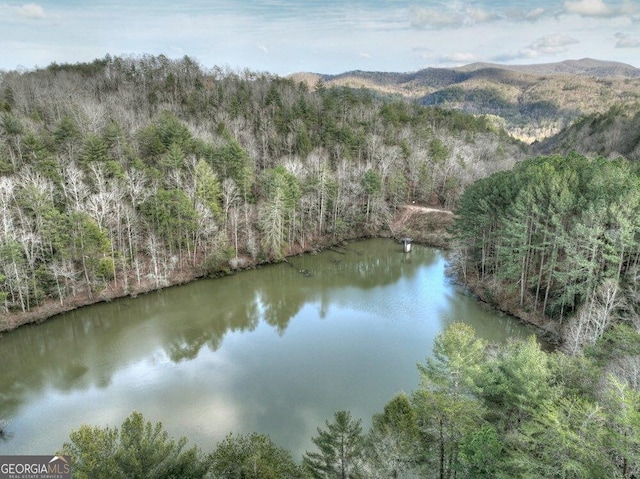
{"x":173,"y":216}
{"x":393,"y":443}
{"x":208,"y":189}
{"x":341,"y":446}
{"x":482,"y":454}
{"x":252,"y":456}
{"x":515,"y":383}
{"x":139,"y":450}
{"x":564,"y":439}
{"x":447,"y":410}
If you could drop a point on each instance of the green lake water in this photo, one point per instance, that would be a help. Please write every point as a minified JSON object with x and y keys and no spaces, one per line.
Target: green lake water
{"x":275,"y":350}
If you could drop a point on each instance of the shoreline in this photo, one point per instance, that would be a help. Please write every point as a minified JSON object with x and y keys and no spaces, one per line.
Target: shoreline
{"x":545,"y":327}
{"x":52,"y":308}
{"x":427,"y":226}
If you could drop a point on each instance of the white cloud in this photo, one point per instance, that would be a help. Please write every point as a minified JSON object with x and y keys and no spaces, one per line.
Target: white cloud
{"x":28,"y":10}
{"x":535,"y":14}
{"x":455,"y":15}
{"x":458,"y":57}
{"x":429,"y":17}
{"x":589,"y":8}
{"x":551,"y":45}
{"x":626,"y":41}
{"x":262,"y":48}
{"x":548,"y":45}
{"x":176,"y":51}
{"x":366,"y":55}
{"x":598,"y":8}
{"x":31,"y":10}
{"x":479,"y":15}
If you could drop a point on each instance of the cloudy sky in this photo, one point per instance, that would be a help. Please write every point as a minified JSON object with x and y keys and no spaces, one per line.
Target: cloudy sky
{"x":328,"y":36}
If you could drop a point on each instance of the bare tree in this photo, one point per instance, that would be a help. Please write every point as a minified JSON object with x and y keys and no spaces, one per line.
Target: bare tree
{"x":593,"y":318}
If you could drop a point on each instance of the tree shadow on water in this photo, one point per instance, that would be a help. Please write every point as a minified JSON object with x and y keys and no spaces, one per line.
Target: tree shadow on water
{"x":5,"y":435}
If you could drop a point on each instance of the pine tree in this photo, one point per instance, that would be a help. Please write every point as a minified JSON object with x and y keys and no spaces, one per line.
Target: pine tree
{"x":139,"y":450}
{"x":393,"y":443}
{"x":252,"y":456}
{"x":447,"y":410}
{"x":341,"y":446}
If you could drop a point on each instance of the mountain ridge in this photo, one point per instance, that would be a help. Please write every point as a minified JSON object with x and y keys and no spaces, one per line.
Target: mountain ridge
{"x":534,"y":102}
{"x":584,"y":66}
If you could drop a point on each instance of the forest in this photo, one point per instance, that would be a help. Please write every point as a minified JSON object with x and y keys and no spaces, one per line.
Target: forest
{"x":557,"y":238}
{"x":132,"y":173}
{"x":128,"y":174}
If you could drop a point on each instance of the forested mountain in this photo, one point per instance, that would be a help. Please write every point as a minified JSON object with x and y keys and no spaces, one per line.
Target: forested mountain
{"x":610,"y":134}
{"x":129,"y":173}
{"x":533,"y":102}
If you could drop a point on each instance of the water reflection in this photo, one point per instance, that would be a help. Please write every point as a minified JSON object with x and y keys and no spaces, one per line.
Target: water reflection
{"x":274,"y":350}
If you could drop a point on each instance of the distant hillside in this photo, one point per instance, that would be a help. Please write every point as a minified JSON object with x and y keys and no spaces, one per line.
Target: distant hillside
{"x":534,"y":102}
{"x":132,"y":173}
{"x":586,"y":66}
{"x":616,"y":132}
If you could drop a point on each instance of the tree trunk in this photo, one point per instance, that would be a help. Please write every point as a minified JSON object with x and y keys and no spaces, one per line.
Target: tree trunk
{"x":442,"y":450}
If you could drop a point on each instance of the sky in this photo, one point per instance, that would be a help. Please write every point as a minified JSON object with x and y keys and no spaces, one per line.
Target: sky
{"x":329,"y":36}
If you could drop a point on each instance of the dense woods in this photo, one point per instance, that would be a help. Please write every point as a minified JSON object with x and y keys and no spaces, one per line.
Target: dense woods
{"x":481,"y":411}
{"x":131,"y":173}
{"x":559,"y":237}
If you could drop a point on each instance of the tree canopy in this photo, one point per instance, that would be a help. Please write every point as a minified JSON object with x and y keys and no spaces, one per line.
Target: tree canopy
{"x":481,"y":411}
{"x":559,"y":236}
{"x":168,"y":170}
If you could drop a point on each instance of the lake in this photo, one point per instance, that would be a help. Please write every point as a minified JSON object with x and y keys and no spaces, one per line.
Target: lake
{"x":274,"y":350}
